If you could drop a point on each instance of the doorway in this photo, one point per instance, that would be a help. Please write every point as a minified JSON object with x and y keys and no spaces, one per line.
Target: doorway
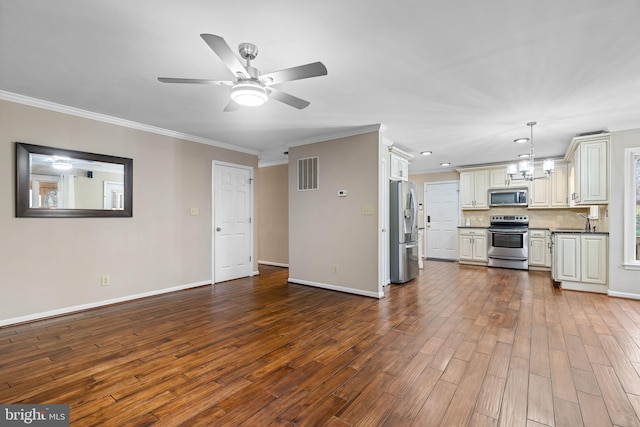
{"x":232,"y":224}
{"x":442,"y":219}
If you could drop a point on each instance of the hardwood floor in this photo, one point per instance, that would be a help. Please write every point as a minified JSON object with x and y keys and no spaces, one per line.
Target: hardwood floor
{"x":460,"y":345}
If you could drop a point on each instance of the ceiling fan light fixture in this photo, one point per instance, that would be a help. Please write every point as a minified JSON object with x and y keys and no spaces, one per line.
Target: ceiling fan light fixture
{"x":249,"y":94}
{"x":61,"y":165}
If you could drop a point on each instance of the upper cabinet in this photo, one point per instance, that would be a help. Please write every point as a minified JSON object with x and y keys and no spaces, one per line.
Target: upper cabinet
{"x":551,"y":192}
{"x":588,"y":158}
{"x":498,"y":178}
{"x":399,"y":170}
{"x":473,"y":189}
{"x":559,"y":195}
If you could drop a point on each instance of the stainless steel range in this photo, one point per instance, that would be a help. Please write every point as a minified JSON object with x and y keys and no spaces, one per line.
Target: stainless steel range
{"x":508,"y":243}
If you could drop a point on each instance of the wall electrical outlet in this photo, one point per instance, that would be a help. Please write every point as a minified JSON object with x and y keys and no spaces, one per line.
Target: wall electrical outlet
{"x":367,"y":210}
{"x":194,"y":211}
{"x":335,"y":269}
{"x":105,"y":281}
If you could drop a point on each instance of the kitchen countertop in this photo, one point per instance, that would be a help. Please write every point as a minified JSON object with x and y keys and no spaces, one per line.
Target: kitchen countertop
{"x":471,"y":226}
{"x":575,"y":231}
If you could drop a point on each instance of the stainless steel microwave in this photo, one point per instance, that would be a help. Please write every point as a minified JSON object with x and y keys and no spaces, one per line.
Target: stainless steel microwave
{"x":508,"y":197}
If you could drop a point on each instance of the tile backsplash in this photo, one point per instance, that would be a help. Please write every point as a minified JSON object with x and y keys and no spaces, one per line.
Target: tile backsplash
{"x":542,"y":218}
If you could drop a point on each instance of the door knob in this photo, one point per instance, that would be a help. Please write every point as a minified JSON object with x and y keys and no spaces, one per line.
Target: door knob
{"x":218,"y":229}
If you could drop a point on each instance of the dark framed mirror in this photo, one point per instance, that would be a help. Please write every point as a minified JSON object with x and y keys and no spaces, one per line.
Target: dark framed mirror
{"x":59,"y":183}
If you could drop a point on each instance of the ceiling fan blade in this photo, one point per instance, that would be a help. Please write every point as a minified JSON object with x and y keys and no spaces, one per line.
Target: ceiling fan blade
{"x":314,"y":69}
{"x":291,"y":100}
{"x":195,"y":81}
{"x":222,"y":49}
{"x":231,"y":106}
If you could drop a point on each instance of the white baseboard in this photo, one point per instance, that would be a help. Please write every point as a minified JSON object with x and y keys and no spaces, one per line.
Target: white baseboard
{"x":337,"y":288}
{"x":83,"y":307}
{"x":623,"y":295}
{"x":275,"y":264}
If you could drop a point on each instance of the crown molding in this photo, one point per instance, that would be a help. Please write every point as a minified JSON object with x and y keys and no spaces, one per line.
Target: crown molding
{"x":52,"y":106}
{"x":353,"y":131}
{"x":266,"y":164}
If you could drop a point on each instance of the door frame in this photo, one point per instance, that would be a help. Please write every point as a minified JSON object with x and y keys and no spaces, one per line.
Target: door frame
{"x":215,"y":163}
{"x":384,"y":257}
{"x":424,"y":219}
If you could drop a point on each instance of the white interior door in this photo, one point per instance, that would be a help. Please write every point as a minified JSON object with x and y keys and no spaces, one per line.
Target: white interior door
{"x":442,"y":220}
{"x":232,"y":228}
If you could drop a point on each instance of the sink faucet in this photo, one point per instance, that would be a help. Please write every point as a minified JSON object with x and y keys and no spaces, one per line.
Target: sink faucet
{"x":587,"y":225}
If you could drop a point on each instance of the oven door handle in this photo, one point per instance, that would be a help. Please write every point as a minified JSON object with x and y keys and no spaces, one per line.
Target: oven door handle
{"x":507,"y":232}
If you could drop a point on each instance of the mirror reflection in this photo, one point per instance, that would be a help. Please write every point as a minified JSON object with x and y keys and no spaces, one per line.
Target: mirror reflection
{"x":59,"y":182}
{"x":54,"y":182}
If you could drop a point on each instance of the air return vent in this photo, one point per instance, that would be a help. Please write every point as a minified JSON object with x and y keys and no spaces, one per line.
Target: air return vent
{"x":308,"y":174}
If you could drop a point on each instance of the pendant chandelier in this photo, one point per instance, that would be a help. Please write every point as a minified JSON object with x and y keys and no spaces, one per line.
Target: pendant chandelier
{"x":526,"y":167}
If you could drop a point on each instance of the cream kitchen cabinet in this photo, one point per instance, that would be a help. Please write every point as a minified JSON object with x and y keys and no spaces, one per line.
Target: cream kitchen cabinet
{"x":589,"y":169}
{"x":559,"y":196}
{"x":473,"y":189}
{"x":499,"y":178}
{"x":540,"y":249}
{"x":399,"y":168}
{"x":473,"y":246}
{"x":580,"y":261}
{"x":399,"y":160}
{"x":550,"y":192}
{"x":539,"y":194}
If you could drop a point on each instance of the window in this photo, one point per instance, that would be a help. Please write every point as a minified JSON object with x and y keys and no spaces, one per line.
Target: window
{"x":632,"y":209}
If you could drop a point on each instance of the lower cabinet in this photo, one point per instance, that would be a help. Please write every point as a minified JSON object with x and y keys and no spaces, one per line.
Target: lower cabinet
{"x":473,"y":246}
{"x":539,"y":249}
{"x":580,"y":261}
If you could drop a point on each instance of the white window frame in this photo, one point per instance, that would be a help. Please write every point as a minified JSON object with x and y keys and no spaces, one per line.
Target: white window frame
{"x":631,"y":156}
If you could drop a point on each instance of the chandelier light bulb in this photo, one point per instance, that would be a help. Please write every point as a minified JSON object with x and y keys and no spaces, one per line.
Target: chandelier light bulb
{"x":526,"y":167}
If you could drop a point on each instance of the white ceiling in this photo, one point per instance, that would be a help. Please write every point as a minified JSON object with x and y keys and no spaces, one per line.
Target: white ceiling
{"x":460,"y":78}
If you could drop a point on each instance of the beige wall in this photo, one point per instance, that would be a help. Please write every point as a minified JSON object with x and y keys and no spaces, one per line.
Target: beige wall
{"x":326,"y":230}
{"x":620,"y":280}
{"x":273,"y":217}
{"x":51,"y":264}
{"x":88,"y":191}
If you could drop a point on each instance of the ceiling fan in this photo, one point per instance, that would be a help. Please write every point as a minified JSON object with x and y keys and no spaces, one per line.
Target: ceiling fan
{"x":252,"y":88}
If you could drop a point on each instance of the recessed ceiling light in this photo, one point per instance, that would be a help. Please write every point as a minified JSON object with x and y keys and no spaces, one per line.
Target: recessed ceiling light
{"x":523,"y":156}
{"x":521,"y":140}
{"x":445,"y":164}
{"x":426,"y":153}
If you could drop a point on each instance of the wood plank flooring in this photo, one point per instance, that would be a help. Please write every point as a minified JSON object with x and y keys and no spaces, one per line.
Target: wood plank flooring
{"x":460,"y":345}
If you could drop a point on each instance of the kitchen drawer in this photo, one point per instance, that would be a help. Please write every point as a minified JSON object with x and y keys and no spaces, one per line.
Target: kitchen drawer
{"x":537,"y":233}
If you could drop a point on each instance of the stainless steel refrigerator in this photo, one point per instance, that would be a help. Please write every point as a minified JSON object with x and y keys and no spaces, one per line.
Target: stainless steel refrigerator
{"x":403,"y":231}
